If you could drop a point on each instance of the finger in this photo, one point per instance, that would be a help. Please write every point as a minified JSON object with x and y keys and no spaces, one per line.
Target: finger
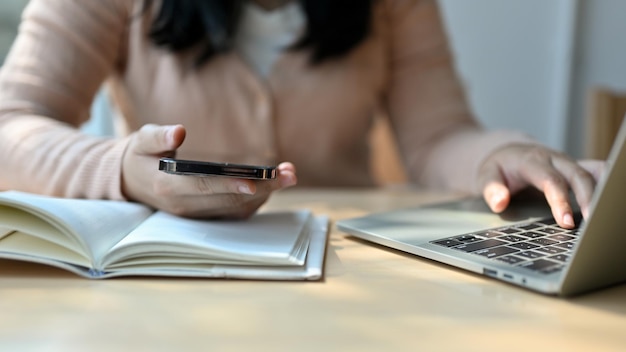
{"x":234,"y":206}
{"x":580,"y":181}
{"x":495,"y":191}
{"x":544,"y":176}
{"x":286,"y":166}
{"x":285,"y":177}
{"x":595,"y":167}
{"x":156,"y":140}
{"x":167,"y":185}
{"x":555,"y":192}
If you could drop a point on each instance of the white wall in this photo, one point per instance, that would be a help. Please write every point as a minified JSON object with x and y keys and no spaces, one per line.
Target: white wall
{"x":528,"y":64}
{"x":514,"y":59}
{"x":600,"y":59}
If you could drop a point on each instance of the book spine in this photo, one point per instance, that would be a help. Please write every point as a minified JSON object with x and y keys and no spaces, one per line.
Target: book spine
{"x":94,"y":273}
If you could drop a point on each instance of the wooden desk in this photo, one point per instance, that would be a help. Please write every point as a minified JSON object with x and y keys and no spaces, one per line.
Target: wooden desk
{"x":372,"y":299}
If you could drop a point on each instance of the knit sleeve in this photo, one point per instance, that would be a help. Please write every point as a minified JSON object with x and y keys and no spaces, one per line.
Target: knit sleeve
{"x":441,"y":142}
{"x":64,"y":51}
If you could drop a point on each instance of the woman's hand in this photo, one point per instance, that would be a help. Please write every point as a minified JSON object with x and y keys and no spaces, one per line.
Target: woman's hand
{"x":187,"y":195}
{"x":517,"y":166}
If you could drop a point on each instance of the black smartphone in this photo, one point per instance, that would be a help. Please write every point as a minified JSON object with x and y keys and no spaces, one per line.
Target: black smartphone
{"x":206,"y":168}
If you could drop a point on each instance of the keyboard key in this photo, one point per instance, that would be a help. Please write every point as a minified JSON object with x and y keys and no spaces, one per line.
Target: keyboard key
{"x":496,"y":252}
{"x":566,"y":245}
{"x":488,"y":234}
{"x":447,"y":243}
{"x":532,"y":234}
{"x":543,"y":242}
{"x":560,"y":257}
{"x":467,"y":238}
{"x":551,"y":230}
{"x":561,"y":237}
{"x":511,"y":259}
{"x":531,"y":254}
{"x":471,"y":247}
{"x":523,"y":245}
{"x":510,"y":230}
{"x":551,"y":250}
{"x":512,"y":238}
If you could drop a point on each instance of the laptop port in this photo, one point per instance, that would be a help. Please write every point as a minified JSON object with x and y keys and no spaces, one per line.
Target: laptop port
{"x":490,"y":272}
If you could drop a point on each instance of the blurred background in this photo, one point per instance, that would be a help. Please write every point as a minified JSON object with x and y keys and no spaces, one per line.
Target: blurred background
{"x":531,"y":64}
{"x":526,"y":64}
{"x":9,"y":18}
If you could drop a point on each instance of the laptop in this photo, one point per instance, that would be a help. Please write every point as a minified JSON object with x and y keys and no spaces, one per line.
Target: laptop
{"x":523,"y":245}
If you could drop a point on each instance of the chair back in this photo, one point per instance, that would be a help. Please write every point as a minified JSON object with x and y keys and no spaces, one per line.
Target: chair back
{"x":607,"y":109}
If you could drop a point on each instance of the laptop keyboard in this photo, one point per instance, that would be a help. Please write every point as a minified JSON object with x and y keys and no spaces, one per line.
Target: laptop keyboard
{"x":540,"y":246}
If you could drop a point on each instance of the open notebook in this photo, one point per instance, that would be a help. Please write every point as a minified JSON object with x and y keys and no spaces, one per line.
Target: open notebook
{"x":102,"y":239}
{"x":522,"y":246}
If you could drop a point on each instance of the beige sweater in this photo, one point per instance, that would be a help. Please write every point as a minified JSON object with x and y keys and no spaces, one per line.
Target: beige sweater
{"x":317,"y":117}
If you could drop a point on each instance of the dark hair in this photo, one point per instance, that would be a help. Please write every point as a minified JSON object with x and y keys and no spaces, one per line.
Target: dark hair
{"x":334,"y":27}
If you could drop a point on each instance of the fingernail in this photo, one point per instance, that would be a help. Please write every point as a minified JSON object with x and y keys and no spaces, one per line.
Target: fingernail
{"x":496,"y":199}
{"x":245,"y":189}
{"x":568,"y":219}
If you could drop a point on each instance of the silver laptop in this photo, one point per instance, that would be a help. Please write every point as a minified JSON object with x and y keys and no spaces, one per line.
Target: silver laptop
{"x":523,"y":245}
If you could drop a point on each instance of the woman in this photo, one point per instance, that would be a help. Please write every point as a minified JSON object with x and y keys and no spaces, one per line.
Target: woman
{"x":269,"y":81}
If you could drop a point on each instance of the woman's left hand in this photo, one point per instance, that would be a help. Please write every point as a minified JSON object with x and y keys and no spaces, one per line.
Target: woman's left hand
{"x":518,"y":166}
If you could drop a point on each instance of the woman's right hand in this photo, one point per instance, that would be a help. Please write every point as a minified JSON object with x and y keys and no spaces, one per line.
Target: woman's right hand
{"x":190,"y":196}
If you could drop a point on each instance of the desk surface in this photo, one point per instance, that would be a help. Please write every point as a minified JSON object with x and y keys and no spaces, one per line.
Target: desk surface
{"x":371,"y":298}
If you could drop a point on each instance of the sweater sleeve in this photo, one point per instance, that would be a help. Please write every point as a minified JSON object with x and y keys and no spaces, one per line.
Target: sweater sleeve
{"x":441,"y":142}
{"x":63,"y":52}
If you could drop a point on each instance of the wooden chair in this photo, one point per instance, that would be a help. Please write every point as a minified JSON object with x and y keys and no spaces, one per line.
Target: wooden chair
{"x":607,"y":110}
{"x":386,"y":164}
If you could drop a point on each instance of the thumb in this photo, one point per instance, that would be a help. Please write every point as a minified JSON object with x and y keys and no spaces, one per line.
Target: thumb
{"x":155,"y":140}
{"x":495,"y":191}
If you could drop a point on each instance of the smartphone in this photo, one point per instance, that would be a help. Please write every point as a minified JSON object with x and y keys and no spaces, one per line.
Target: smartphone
{"x":205,"y":168}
